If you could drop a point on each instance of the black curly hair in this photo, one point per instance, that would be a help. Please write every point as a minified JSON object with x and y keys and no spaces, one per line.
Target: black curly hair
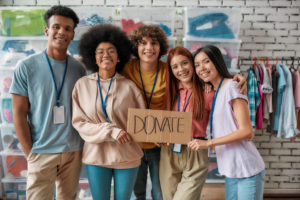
{"x":62,"y":11}
{"x":104,"y":33}
{"x":152,"y":31}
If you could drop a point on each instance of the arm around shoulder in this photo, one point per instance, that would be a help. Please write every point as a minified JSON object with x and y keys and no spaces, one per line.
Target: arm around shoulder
{"x":20,"y":106}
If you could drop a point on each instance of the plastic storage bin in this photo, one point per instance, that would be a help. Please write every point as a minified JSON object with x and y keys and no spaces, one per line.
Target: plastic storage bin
{"x":213,"y":175}
{"x":6,"y":109}
{"x":6,"y":76}
{"x":14,"y":189}
{"x":90,"y":16}
{"x":9,"y":139}
{"x":14,"y":165}
{"x":217,"y":23}
{"x":14,"y":49}
{"x":22,"y":21}
{"x":132,"y":18}
{"x":229,"y":48}
{"x":84,"y":192}
{"x":172,"y":42}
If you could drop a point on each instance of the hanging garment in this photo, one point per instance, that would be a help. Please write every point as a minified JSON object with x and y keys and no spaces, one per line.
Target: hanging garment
{"x":259,"y":113}
{"x":275,"y":77}
{"x":266,"y":86}
{"x":210,"y":25}
{"x":287,"y":127}
{"x":280,"y":89}
{"x":267,"y":90}
{"x":256,"y":71}
{"x":296,"y":87}
{"x":253,"y":95}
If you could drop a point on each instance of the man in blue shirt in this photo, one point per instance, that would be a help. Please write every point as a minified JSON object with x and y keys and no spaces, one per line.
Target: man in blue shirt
{"x":41,"y":100}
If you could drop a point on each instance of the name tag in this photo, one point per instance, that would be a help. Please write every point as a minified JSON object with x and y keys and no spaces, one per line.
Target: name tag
{"x":177,"y":148}
{"x":58,"y":114}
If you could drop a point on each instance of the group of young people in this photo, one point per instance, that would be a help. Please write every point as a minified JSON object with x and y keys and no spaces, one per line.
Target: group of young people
{"x":57,"y":110}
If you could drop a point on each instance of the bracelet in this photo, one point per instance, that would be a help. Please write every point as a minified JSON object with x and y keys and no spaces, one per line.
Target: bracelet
{"x":210,"y":144}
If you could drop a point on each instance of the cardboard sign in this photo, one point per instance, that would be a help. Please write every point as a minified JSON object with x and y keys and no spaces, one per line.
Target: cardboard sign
{"x":145,"y":125}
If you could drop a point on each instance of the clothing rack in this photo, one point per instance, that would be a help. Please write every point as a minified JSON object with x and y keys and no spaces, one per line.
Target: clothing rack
{"x":291,"y":60}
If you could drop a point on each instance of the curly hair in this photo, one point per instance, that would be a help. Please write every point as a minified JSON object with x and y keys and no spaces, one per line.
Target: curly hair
{"x":152,"y":31}
{"x":62,"y":11}
{"x":104,"y":33}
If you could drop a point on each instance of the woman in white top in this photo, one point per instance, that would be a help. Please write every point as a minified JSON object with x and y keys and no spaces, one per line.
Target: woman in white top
{"x":237,"y":156}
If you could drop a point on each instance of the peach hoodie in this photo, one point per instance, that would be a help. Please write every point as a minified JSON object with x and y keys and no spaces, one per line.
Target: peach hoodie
{"x":100,"y":147}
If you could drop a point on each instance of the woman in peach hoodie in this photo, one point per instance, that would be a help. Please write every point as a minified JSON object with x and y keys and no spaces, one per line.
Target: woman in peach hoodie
{"x":100,"y":106}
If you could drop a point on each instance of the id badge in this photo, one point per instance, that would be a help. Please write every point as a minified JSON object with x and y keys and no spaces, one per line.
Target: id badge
{"x":58,"y":114}
{"x":177,"y":148}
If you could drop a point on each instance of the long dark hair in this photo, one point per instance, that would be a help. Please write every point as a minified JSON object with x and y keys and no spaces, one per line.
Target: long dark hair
{"x":197,"y":100}
{"x":216,"y":57}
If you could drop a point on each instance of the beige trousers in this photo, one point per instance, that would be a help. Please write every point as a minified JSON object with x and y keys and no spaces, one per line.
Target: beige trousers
{"x":182,"y":176}
{"x":45,"y":170}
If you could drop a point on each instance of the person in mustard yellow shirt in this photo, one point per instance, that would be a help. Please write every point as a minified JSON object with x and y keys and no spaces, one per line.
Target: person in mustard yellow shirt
{"x":149,"y":74}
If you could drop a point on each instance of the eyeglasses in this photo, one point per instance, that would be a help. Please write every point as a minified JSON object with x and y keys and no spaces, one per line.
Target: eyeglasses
{"x":109,"y":51}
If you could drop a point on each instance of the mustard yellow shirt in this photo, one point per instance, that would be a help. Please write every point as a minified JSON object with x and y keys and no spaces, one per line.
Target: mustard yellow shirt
{"x":131,"y":71}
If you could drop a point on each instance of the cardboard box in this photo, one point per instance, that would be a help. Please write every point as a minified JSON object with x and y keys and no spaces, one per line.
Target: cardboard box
{"x":160,"y":126}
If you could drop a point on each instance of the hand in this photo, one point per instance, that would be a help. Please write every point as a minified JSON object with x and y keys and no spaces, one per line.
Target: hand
{"x":242,"y":83}
{"x":252,"y":135}
{"x":162,"y":144}
{"x":207,"y":88}
{"x":123,"y":137}
{"x":198,"y":144}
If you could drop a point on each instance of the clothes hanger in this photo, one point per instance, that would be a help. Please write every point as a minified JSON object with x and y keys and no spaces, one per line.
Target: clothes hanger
{"x":298,"y":68}
{"x":268,"y":65}
{"x":292,"y":67}
{"x":254,"y":62}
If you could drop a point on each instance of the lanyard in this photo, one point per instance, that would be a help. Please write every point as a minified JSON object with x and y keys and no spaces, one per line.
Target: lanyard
{"x":103,"y":104}
{"x":53,"y":77}
{"x":213,"y":106}
{"x":148,"y":103}
{"x":184,"y":106}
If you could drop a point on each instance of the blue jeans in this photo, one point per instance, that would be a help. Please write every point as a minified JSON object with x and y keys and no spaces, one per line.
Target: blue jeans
{"x":100,"y":182}
{"x":150,"y":159}
{"x":251,"y":188}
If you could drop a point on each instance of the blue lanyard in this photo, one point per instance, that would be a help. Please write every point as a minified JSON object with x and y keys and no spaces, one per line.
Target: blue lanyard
{"x":148,"y":103}
{"x":103,"y":104}
{"x":185,"y":106}
{"x":53,"y":77}
{"x":213,"y":106}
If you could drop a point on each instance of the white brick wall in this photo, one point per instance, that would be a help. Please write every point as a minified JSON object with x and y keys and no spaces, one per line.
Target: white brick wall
{"x":24,"y":2}
{"x":6,"y":2}
{"x":93,"y":2}
{"x":139,"y":2}
{"x":210,"y":3}
{"x":268,"y":28}
{"x":47,"y":2}
{"x":117,"y":2}
{"x":186,"y":2}
{"x":71,"y":2}
{"x":163,"y":3}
